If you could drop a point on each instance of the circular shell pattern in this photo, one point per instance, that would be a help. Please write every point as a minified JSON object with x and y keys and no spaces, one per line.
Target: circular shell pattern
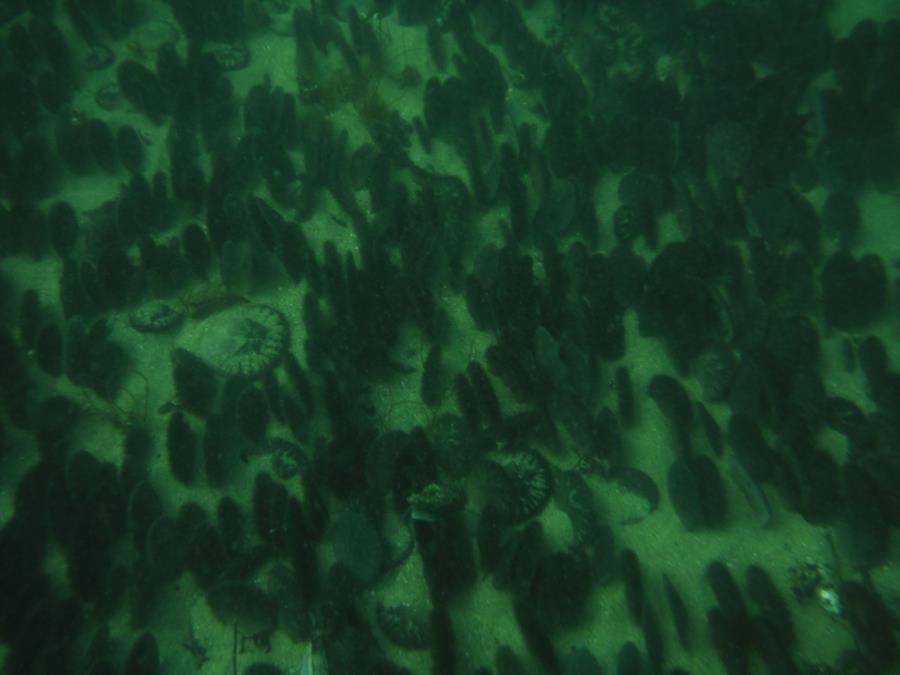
{"x":244,"y":340}
{"x":521,"y":484}
{"x":155,"y":317}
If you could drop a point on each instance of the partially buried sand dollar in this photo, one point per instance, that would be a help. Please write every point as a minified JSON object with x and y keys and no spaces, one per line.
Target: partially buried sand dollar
{"x":244,"y":340}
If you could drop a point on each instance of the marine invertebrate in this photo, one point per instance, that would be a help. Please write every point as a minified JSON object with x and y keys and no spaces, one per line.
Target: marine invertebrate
{"x":521,"y":484}
{"x":244,"y":340}
{"x":156,"y":316}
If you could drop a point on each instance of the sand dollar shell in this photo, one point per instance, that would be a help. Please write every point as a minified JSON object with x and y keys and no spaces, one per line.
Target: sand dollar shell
{"x":520,"y":484}
{"x":231,"y":56}
{"x":155,"y":317}
{"x":244,"y":340}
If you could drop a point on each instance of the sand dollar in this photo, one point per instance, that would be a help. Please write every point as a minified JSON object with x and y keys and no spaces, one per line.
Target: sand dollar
{"x":243,"y":340}
{"x":156,"y":316}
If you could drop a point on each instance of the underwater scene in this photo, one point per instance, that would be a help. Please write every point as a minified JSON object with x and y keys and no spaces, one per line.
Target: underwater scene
{"x":449,"y":337}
